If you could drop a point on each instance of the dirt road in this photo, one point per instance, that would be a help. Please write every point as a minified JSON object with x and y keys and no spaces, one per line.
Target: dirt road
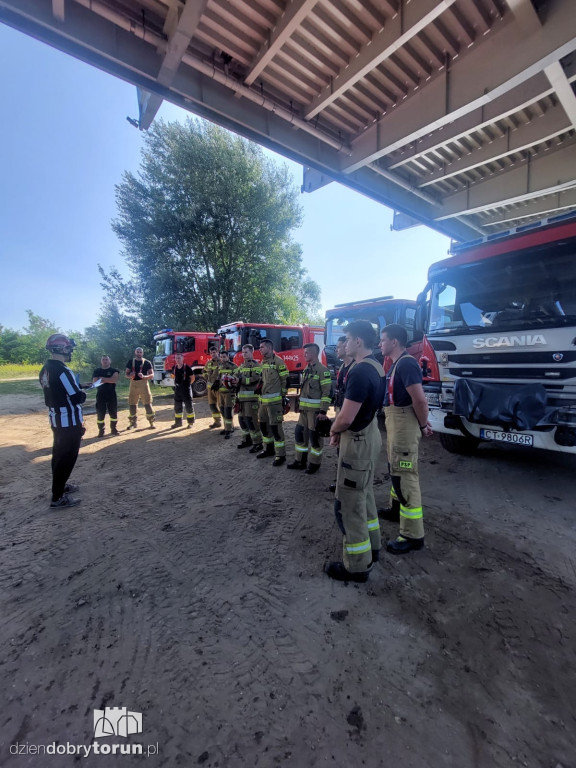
{"x":188,"y":586}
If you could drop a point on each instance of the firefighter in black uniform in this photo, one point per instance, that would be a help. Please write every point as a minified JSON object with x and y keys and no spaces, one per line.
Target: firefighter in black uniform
{"x":106,"y":399}
{"x":183,"y":380}
{"x":64,"y":399}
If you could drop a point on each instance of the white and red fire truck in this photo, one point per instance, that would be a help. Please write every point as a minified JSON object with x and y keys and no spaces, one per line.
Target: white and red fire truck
{"x":500,"y":324}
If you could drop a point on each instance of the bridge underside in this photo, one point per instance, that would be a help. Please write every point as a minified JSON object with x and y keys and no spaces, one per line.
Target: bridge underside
{"x":459,"y":114}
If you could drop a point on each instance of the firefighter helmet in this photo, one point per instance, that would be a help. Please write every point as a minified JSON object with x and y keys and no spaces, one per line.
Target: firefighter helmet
{"x":59,"y":344}
{"x":229,"y":381}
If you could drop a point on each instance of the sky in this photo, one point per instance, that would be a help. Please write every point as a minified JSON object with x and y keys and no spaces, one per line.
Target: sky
{"x":65,"y":143}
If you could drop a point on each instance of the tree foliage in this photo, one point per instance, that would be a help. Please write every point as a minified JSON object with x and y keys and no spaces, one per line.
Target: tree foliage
{"x":206,"y":227}
{"x":29,"y":345}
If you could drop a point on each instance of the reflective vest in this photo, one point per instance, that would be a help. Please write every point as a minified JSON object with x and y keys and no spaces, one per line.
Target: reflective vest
{"x":274,"y":380}
{"x":315,"y":392}
{"x":249,"y":373}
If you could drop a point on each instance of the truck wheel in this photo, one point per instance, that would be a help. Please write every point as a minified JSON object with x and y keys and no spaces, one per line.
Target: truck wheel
{"x":199,"y":388}
{"x":465,"y":446}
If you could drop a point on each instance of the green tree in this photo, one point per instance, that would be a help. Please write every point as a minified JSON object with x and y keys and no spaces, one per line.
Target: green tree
{"x":207,"y":227}
{"x":29,"y":345}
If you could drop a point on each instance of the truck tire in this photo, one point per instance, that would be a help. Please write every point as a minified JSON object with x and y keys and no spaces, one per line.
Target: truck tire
{"x":200,"y":387}
{"x":465,"y":446}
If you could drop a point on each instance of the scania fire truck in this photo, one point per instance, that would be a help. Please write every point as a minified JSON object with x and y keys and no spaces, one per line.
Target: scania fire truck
{"x":500,"y":322}
{"x":288,"y":343}
{"x":193,"y":345}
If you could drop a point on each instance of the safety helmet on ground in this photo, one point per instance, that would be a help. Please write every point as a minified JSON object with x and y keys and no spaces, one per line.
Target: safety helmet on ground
{"x":59,"y":344}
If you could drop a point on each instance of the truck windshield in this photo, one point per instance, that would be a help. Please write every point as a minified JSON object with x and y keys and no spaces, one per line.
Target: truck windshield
{"x":378,"y":317}
{"x":511,"y":292}
{"x":163,"y":347}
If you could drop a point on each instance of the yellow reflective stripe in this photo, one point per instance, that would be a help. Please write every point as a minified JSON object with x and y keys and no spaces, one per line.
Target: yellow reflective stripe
{"x":269,"y":399}
{"x":279,"y":445}
{"x":246,"y":394}
{"x":355,"y":549}
{"x":267,"y":440}
{"x":393,"y":494}
{"x":301,"y":448}
{"x":373,"y":525}
{"x":412,"y":514}
{"x":315,"y":451}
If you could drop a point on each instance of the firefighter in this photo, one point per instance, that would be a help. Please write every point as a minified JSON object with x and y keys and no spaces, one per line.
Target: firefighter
{"x":355,"y":432}
{"x":106,"y":399}
{"x":183,"y":380}
{"x":406,"y":412}
{"x":139,"y":371}
{"x":211,"y":375}
{"x":273,"y":398}
{"x":249,"y":374}
{"x":341,"y":375}
{"x":314,"y":401}
{"x":227,"y":392}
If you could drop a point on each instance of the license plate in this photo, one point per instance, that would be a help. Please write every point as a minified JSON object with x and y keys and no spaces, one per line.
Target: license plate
{"x":506,"y":437}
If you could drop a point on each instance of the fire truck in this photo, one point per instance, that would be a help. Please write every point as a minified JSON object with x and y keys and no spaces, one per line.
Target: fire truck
{"x":288,"y":343}
{"x":500,"y":324}
{"x":379,"y":312}
{"x":193,"y":345}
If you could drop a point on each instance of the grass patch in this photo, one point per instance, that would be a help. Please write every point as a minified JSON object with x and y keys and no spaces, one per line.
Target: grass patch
{"x":13,"y":371}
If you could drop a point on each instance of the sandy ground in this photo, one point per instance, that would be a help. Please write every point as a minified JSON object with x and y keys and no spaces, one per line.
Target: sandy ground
{"x":188,"y":586}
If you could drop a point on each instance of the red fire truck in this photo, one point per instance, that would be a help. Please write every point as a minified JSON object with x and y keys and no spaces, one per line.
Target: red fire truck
{"x":500,"y":321}
{"x":288,"y":342}
{"x":193,"y":345}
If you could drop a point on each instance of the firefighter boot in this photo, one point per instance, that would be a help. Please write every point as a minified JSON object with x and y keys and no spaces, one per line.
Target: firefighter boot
{"x":246,"y":442}
{"x":268,"y":451}
{"x":177,"y":422}
{"x":151,"y":421}
{"x":298,"y":463}
{"x":133,"y":418}
{"x":190,"y":418}
{"x":101,"y":430}
{"x":256,"y":448}
{"x":391,"y":513}
{"x":114,"y":427}
{"x":312,"y":469}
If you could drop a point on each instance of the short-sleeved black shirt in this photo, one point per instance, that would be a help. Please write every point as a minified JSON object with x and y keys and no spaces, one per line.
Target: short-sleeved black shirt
{"x":364,"y":384}
{"x":105,"y":373}
{"x":182,"y":377}
{"x":135,"y":366}
{"x":406,"y":372}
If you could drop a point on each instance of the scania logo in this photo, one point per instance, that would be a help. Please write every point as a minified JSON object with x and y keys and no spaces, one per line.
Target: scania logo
{"x":527,"y":340}
{"x":557,"y":356}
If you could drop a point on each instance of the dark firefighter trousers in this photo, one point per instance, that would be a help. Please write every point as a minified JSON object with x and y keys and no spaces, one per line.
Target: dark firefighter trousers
{"x":355,"y":506}
{"x":106,"y":401}
{"x":183,"y":398}
{"x":271,"y":416}
{"x":308,"y":444}
{"x":248,"y":420}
